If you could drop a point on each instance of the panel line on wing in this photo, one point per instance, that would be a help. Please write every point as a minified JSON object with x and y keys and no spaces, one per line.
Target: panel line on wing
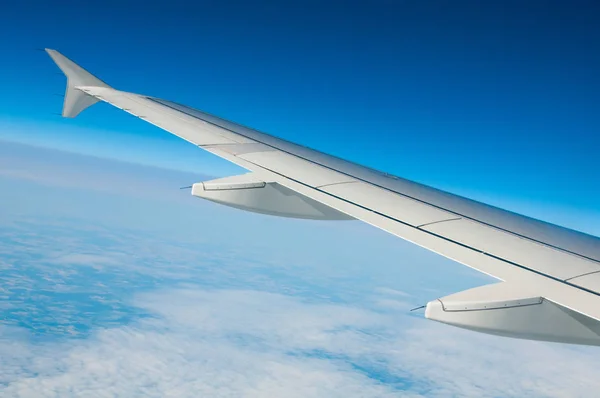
{"x":436,"y":222}
{"x":139,"y":100}
{"x":579,"y":276}
{"x":537,"y":256}
{"x":562,"y":281}
{"x":310,"y":161}
{"x":461,"y":215}
{"x":420,"y":237}
{"x":336,"y":183}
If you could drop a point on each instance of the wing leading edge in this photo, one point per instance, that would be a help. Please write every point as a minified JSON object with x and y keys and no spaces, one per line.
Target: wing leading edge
{"x":557,"y":268}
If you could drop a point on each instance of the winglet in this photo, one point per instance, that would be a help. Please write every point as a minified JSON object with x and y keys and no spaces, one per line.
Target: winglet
{"x":75,"y":99}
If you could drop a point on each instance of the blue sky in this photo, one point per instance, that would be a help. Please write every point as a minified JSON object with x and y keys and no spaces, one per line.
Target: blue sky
{"x":495,"y":100}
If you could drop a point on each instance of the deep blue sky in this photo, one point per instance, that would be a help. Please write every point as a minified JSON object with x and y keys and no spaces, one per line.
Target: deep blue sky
{"x":497,"y":100}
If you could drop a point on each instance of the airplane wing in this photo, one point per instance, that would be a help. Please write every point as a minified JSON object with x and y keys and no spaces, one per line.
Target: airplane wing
{"x":550,"y":275}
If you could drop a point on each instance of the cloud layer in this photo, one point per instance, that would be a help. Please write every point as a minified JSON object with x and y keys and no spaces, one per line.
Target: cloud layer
{"x":228,"y":343}
{"x":104,"y":293}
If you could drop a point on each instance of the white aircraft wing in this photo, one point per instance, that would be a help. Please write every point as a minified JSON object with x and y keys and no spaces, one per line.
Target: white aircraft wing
{"x":550,"y":275}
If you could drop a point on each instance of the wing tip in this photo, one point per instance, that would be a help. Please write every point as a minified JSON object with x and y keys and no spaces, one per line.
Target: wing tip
{"x":75,"y":100}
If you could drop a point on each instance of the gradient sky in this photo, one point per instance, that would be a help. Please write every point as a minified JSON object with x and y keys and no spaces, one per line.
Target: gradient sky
{"x":494,"y":100}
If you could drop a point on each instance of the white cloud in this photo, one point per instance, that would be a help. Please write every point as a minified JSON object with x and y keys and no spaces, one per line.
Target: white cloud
{"x":234,"y":343}
{"x":392,"y":292}
{"x":206,"y":343}
{"x":452,"y":362}
{"x":230,"y":343}
{"x":86,"y":259}
{"x":395,"y":305}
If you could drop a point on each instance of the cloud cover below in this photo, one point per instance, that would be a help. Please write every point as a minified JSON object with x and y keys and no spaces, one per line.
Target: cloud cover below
{"x":106,"y":293}
{"x":227,"y":343}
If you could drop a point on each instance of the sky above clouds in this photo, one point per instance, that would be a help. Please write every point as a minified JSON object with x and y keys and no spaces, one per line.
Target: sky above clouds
{"x":491,"y":99}
{"x":114,"y":282}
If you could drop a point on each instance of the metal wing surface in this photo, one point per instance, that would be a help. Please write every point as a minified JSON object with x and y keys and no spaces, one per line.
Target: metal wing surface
{"x":550,"y":275}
